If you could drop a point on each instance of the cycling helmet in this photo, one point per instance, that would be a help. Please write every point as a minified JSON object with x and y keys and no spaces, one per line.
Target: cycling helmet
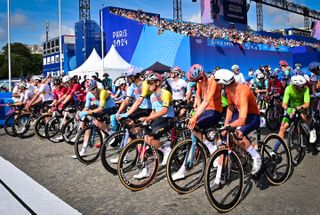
{"x":298,"y":65}
{"x":56,"y":80}
{"x":154,"y":77}
{"x":314,"y":66}
{"x":251,"y":73}
{"x":176,"y":69}
{"x":224,"y":77}
{"x":283,"y":63}
{"x":275,"y":73}
{"x":37,"y":77}
{"x":22,"y":85}
{"x":195,"y":72}
{"x":260,"y":76}
{"x":235,"y":67}
{"x":133,"y":71}
{"x":120,"y":81}
{"x":298,"y":80}
{"x":92,"y":84}
{"x":66,"y":78}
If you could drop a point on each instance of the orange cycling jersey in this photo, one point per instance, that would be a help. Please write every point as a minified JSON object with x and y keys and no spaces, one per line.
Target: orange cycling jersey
{"x":211,"y":91}
{"x":243,"y":95}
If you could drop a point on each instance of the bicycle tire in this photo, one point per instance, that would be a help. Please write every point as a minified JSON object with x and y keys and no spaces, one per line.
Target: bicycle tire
{"x":24,"y":119}
{"x":281,"y":160}
{"x":235,"y":167}
{"x":272,"y":124}
{"x":294,"y":142}
{"x":124,"y":167}
{"x":8,"y":124}
{"x":52,"y":128}
{"x":40,"y":122}
{"x":109,"y":149}
{"x":91,"y":157}
{"x":68,"y":136}
{"x":175,"y":163}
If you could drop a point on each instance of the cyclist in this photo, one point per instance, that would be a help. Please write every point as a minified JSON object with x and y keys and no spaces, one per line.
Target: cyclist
{"x":208,"y":113}
{"x":242,"y":112}
{"x":274,"y":85}
{"x":286,"y":71}
{"x":178,"y":87}
{"x":139,"y":93}
{"x":314,"y":67}
{"x":43,"y":95}
{"x":121,"y":85}
{"x":58,"y":92}
{"x":74,"y":92}
{"x":100,"y":104}
{"x":260,"y":85}
{"x":160,"y":118}
{"x":296,"y":97}
{"x":237,"y":74}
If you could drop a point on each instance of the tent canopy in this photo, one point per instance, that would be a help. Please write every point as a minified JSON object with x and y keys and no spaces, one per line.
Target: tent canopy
{"x":158,"y":67}
{"x":90,"y":65}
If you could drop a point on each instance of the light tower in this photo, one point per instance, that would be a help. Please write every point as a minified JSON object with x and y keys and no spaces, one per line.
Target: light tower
{"x":84,"y":9}
{"x":177,"y":10}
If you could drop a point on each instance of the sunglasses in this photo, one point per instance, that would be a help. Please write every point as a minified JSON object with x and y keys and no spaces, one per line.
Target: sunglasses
{"x":150,"y":82}
{"x":93,"y":89}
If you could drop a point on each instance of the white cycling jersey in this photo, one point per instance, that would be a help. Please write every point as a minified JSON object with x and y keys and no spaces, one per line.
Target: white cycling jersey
{"x":45,"y":93}
{"x":178,"y":89}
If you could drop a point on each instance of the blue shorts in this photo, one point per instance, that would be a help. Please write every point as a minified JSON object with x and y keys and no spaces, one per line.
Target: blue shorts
{"x":252,"y":123}
{"x":208,"y":119}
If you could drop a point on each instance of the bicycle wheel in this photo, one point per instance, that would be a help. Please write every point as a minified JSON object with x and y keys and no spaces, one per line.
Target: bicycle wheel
{"x":52,"y":129}
{"x":21,"y":124}
{"x":276,"y":159}
{"x":70,"y":130}
{"x":294,"y":141}
{"x":111,"y":150}
{"x":227,"y":195}
{"x":40,"y":125}
{"x":181,"y":134}
{"x":273,"y":118}
{"x":185,"y":170}
{"x":8,"y":123}
{"x":137,"y":159}
{"x":89,"y":141}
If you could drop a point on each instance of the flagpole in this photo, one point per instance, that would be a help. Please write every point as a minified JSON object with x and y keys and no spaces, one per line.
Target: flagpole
{"x":102,"y":40}
{"x":9,"y":45}
{"x":60,"y":37}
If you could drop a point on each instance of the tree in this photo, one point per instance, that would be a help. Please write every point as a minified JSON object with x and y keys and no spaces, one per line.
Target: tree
{"x":23,"y":63}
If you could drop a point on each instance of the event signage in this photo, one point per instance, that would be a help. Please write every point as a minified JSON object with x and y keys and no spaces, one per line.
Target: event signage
{"x":247,"y":46}
{"x":120,"y":38}
{"x":235,"y":11}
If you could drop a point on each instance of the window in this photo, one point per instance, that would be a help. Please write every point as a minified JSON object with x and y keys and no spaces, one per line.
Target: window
{"x":57,"y":42}
{"x":48,"y":60}
{"x":48,"y":45}
{"x":57,"y":58}
{"x":52,"y":59}
{"x":44,"y":61}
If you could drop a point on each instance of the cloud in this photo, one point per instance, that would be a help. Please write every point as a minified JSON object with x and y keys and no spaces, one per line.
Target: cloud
{"x":54,"y":31}
{"x":18,"y":19}
{"x":195,"y":17}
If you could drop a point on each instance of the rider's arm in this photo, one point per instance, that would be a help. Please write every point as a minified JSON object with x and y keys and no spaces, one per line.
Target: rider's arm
{"x":210,"y":93}
{"x":228,"y":114}
{"x":197,"y":101}
{"x":243,"y":110}
{"x":306,"y":99}
{"x":154,"y":115}
{"x":286,"y":98}
{"x":137,"y":103}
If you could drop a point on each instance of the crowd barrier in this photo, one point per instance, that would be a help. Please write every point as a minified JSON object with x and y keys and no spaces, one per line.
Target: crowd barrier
{"x":4,"y":108}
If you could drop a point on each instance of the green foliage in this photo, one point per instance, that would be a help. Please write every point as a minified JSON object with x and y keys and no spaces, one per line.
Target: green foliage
{"x":23,"y":63}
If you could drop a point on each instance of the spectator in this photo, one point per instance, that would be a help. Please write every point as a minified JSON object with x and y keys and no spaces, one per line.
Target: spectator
{"x":107,"y":82}
{"x":238,"y":75}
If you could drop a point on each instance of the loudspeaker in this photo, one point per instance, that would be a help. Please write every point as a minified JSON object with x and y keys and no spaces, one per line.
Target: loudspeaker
{"x":194,"y":0}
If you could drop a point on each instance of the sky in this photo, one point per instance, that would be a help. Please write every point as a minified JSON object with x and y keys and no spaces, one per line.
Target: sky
{"x":28,"y":17}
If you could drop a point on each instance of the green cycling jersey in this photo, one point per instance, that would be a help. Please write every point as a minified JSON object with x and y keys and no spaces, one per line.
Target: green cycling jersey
{"x":295,"y":98}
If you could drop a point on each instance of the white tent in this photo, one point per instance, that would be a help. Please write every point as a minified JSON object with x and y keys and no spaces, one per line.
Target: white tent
{"x":90,"y":66}
{"x":114,"y":64}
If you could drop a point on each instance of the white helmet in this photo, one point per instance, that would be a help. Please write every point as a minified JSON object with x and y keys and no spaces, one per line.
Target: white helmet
{"x":260,"y":75}
{"x":120,"y":81}
{"x":251,"y":74}
{"x":37,"y":77}
{"x":224,"y":77}
{"x":298,"y":80}
{"x":66,"y":78}
{"x":133,"y":71}
{"x":234,"y":67}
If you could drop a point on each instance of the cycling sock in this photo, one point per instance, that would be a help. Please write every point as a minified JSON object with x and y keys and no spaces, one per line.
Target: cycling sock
{"x":210,"y":146}
{"x":276,"y":146}
{"x":253,"y":152}
{"x":218,"y":175}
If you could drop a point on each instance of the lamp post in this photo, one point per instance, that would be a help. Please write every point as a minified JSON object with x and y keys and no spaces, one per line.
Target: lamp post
{"x":60,"y":37}
{"x":102,"y":40}
{"x":9,"y":45}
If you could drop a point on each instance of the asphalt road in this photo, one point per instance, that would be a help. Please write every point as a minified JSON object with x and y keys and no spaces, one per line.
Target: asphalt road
{"x":92,"y":190}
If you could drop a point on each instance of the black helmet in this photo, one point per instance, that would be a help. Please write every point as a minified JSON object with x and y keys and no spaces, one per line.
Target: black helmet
{"x":56,"y":80}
